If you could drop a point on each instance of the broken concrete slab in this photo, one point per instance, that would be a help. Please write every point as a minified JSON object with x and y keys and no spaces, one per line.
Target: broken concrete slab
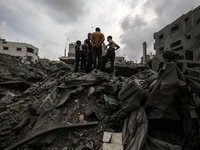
{"x":8,"y":96}
{"x":112,"y":141}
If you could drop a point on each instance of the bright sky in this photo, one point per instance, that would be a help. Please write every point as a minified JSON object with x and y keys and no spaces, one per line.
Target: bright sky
{"x":47,"y":24}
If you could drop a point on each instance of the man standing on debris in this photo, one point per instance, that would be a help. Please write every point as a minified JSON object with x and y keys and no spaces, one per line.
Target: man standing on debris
{"x":78,"y":53}
{"x":97,"y":39}
{"x":110,"y":54}
{"x":88,"y":45}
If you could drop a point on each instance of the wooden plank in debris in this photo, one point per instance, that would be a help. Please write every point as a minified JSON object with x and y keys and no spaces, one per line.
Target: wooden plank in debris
{"x":41,"y":133}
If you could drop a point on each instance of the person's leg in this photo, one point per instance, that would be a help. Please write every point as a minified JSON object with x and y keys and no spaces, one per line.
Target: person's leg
{"x":77,"y":61}
{"x":104,"y":62}
{"x":89,"y":61}
{"x":94,"y":55}
{"x":99,"y":56}
{"x":112,"y":60}
{"x":83,"y":63}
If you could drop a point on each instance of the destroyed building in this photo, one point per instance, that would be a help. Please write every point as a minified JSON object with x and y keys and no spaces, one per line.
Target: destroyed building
{"x":181,"y":36}
{"x":49,"y":107}
{"x":19,"y":49}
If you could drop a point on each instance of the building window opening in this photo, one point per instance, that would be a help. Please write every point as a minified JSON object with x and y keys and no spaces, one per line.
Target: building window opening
{"x":29,"y":58}
{"x":161,"y":36}
{"x":5,"y":48}
{"x":4,"y":41}
{"x":178,"y":48}
{"x":36,"y":54}
{"x":19,"y":49}
{"x":198,"y":21}
{"x":30,"y":50}
{"x":188,"y":37}
{"x":188,"y":55}
{"x":161,"y":50}
{"x":186,"y":19}
{"x":175,"y":43}
{"x":174,"y":28}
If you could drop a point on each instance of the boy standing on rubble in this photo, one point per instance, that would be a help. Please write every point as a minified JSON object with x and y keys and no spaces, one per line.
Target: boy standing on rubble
{"x":78,"y":53}
{"x":110,"y":54}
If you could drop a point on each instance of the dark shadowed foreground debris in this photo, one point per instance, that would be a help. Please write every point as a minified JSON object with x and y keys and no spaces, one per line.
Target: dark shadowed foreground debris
{"x":48,"y":107}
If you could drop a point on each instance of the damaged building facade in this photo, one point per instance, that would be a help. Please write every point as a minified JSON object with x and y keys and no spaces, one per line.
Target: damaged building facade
{"x":181,"y":36}
{"x":19,"y":49}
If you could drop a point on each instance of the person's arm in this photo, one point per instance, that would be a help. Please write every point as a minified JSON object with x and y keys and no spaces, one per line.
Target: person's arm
{"x":91,"y":38}
{"x":107,"y":46}
{"x":117,"y":47}
{"x":102,"y":39}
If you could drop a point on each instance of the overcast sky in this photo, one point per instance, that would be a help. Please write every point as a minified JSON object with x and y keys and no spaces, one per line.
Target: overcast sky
{"x":47,"y":24}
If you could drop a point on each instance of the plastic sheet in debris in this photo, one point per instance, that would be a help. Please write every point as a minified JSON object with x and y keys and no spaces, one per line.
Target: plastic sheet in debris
{"x":161,"y":101}
{"x":131,"y":96}
{"x":110,"y":102}
{"x":194,"y":84}
{"x":135,"y":130}
{"x":171,"y":79}
{"x":153,"y":144}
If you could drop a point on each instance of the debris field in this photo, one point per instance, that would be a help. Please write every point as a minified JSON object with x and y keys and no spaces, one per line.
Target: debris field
{"x":49,"y":107}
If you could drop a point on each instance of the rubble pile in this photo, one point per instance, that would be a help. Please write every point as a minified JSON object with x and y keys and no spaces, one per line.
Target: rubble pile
{"x":48,"y":106}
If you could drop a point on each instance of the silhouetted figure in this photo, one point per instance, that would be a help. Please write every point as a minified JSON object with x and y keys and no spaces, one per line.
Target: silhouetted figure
{"x":83,"y":57}
{"x":97,"y":39}
{"x":88,"y":45}
{"x":110,"y":54}
{"x":78,"y":53}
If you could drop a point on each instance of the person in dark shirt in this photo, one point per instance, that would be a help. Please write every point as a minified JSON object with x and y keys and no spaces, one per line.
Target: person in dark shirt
{"x":88,"y":45}
{"x":78,"y":53}
{"x":83,"y":57}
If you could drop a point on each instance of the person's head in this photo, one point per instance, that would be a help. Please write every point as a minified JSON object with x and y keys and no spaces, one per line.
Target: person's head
{"x":109,"y":38}
{"x":98,"y":29}
{"x":78,"y":42}
{"x":89,"y":35}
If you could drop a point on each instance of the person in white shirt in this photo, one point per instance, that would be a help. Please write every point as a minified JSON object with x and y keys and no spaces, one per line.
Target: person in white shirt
{"x":110,"y":54}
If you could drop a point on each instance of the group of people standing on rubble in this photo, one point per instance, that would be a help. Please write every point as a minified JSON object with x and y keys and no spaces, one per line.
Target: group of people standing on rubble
{"x":91,"y":50}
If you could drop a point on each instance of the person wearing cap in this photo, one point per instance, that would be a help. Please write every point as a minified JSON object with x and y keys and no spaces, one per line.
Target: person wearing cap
{"x":97,"y":39}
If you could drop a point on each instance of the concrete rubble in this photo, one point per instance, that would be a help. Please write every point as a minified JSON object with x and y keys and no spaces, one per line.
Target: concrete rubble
{"x":49,"y":107}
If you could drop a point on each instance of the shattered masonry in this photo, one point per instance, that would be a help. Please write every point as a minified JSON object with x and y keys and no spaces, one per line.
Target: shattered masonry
{"x":48,"y":107}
